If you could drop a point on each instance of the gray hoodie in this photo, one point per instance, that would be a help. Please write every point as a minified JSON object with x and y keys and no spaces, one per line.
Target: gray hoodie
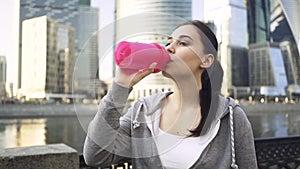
{"x":119,"y":132}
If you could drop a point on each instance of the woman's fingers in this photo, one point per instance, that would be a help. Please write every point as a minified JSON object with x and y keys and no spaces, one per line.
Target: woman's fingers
{"x":143,"y":73}
{"x":130,"y":79}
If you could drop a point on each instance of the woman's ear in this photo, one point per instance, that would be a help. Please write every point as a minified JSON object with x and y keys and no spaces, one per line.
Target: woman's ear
{"x":207,"y":62}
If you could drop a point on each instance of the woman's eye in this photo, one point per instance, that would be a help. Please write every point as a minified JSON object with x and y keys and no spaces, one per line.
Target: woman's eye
{"x":181,"y":43}
{"x":167,"y":44}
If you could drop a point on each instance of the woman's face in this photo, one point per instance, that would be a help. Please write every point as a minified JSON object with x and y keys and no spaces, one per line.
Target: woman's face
{"x":186,"y":50}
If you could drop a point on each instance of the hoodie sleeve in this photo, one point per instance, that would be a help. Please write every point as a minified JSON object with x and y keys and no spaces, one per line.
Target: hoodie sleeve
{"x":244,"y":144}
{"x":108,"y":137}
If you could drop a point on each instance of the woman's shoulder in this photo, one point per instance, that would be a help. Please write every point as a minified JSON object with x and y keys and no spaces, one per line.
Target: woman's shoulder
{"x":151,"y":101}
{"x":239,"y":114}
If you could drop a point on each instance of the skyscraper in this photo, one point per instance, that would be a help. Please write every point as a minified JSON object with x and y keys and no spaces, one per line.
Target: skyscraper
{"x":258,"y":20}
{"x":156,"y":16}
{"x":87,"y":61}
{"x":230,"y":18}
{"x":285,"y":26}
{"x":49,"y":46}
{"x":77,"y":14}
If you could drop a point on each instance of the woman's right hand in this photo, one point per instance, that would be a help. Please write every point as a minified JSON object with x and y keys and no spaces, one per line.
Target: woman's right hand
{"x":128,"y":80}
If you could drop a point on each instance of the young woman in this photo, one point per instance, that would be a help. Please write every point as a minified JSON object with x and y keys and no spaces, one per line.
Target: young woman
{"x":191,"y":127}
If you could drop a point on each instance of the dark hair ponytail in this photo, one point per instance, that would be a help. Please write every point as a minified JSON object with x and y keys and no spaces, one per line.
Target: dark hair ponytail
{"x":205,"y":102}
{"x":211,"y":80}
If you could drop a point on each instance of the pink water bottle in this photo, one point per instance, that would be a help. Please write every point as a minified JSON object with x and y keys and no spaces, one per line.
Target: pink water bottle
{"x":136,"y":56}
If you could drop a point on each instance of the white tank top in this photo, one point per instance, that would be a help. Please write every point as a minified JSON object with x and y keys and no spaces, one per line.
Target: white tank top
{"x":180,"y":152}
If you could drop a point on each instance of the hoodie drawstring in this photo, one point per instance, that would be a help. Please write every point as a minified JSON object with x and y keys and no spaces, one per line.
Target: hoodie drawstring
{"x":135,"y":122}
{"x":233,"y":162}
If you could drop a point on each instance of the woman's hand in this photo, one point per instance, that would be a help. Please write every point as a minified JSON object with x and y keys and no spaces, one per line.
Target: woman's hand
{"x":126,"y":79}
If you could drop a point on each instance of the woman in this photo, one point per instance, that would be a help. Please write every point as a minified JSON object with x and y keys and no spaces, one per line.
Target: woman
{"x":192,"y":127}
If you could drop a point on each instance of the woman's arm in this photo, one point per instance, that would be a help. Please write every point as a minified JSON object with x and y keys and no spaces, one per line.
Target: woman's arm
{"x":244,"y":143}
{"x":108,"y":137}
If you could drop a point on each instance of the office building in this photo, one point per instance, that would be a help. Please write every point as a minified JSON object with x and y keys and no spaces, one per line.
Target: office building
{"x":290,"y":63}
{"x":150,"y":21}
{"x":2,"y":76}
{"x":285,"y":26}
{"x":87,"y":60}
{"x":230,"y":18}
{"x":264,"y":59}
{"x":48,"y":56}
{"x":77,"y":14}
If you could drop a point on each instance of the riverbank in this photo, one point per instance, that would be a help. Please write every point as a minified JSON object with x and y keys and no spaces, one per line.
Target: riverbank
{"x":270,"y":108}
{"x":48,"y":110}
{"x":56,"y":110}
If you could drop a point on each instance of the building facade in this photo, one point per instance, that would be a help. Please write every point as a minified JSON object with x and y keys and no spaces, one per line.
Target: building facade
{"x":285,"y":27}
{"x":48,"y":56}
{"x":87,"y":60}
{"x":175,"y":8}
{"x":77,"y":14}
{"x":268,"y":76}
{"x":258,"y":20}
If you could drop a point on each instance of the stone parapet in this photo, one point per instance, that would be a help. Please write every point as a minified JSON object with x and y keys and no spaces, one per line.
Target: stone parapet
{"x":52,"y":156}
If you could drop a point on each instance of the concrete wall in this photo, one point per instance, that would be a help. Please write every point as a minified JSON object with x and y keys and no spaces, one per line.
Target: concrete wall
{"x":52,"y":156}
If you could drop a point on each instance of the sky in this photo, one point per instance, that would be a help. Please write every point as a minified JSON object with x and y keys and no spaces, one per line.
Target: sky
{"x":9,"y":34}
{"x":9,"y":13}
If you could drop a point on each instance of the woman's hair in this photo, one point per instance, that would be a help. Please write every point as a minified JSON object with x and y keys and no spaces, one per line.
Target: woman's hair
{"x":211,"y":79}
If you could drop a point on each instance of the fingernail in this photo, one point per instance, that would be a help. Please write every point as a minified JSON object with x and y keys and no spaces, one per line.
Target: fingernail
{"x":153,"y":65}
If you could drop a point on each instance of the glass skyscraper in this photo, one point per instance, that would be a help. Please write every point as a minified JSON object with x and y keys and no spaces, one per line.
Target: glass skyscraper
{"x":258,"y":20}
{"x":156,"y":16}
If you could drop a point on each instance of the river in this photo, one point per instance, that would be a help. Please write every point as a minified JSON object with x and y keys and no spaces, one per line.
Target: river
{"x":19,"y":132}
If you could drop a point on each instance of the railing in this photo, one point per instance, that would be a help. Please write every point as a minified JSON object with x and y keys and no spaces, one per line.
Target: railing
{"x":278,"y":153}
{"x":272,"y":153}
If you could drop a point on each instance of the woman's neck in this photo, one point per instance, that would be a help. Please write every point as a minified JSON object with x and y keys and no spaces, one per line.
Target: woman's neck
{"x":181,"y":110}
{"x":185,"y":98}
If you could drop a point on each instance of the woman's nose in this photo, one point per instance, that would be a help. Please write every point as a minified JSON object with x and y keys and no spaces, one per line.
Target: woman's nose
{"x":170,"y":48}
